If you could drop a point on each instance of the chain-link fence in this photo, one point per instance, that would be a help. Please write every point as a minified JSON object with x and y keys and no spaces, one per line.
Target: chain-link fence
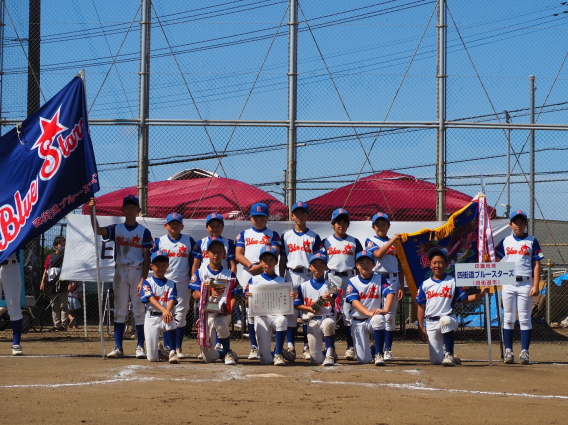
{"x":227,"y":63}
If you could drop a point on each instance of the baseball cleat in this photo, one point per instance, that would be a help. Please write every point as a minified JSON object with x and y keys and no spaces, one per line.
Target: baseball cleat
{"x":524,"y":357}
{"x":17,"y":350}
{"x":200,"y":356}
{"x":115,"y":353}
{"x":289,"y":356}
{"x":379,"y":360}
{"x":140,"y":354}
{"x":180,"y":354}
{"x":350,"y":354}
{"x":279,"y":360}
{"x":448,"y":360}
{"x":173,"y":358}
{"x":329,"y":361}
{"x":253,"y":355}
{"x":162,"y":352}
{"x":388,"y":355}
{"x":509,"y":357}
{"x":231,"y":358}
{"x":306,"y":354}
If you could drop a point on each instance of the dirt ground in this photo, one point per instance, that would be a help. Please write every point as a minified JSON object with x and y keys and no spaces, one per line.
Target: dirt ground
{"x":68,"y":382}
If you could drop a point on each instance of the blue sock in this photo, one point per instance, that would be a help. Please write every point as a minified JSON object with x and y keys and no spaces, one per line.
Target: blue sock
{"x":180,"y":333}
{"x":379,"y":335}
{"x":329,"y":342}
{"x":525,"y":339}
{"x":389,"y":336}
{"x":348,"y":336}
{"x":291,"y":335}
{"x":172,"y":338}
{"x":280,"y":338}
{"x":217,"y":340}
{"x":252,"y":336}
{"x":119,"y":333}
{"x":140,"y":335}
{"x":226,"y":343}
{"x":449,"y":339}
{"x":508,"y":338}
{"x":373,"y":351}
{"x":305,"y":330}
{"x":17,"y":330}
{"x":166,"y":336}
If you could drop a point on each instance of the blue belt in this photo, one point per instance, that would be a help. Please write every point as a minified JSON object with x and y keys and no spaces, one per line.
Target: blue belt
{"x":321,"y":317}
{"x":360,"y":320}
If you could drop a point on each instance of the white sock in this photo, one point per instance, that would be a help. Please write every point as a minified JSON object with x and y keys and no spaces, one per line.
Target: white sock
{"x":329,"y":351}
{"x":291,"y":346}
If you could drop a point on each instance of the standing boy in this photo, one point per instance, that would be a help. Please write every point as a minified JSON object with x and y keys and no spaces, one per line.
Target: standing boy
{"x":298,"y":245}
{"x":132,"y":243}
{"x":341,"y":250}
{"x":214,"y":224}
{"x":388,"y":266}
{"x":249,"y":245}
{"x":11,"y":285}
{"x":57,"y":288}
{"x":180,"y":249}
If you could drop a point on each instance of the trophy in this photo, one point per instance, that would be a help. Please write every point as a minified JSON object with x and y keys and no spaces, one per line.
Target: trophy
{"x":214,"y":301}
{"x":331,"y":290}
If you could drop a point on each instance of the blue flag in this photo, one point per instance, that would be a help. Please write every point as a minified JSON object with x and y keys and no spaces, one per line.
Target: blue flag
{"x":47,"y":168}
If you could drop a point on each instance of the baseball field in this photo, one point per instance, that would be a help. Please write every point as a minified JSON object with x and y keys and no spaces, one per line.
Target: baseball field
{"x":68,"y":382}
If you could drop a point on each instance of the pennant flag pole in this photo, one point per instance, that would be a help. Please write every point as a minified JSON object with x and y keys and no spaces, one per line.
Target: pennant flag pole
{"x":485,"y":251}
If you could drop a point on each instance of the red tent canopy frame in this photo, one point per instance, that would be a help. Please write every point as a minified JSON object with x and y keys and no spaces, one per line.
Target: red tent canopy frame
{"x":182,"y":196}
{"x":402,"y":197}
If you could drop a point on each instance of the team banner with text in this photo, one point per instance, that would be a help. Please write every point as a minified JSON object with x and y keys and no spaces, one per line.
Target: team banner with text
{"x":47,"y":168}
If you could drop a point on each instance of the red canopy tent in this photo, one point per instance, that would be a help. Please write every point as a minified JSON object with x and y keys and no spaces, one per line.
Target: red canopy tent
{"x":402,"y":197}
{"x":182,"y":196}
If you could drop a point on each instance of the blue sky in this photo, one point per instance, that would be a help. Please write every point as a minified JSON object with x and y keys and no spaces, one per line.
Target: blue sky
{"x":367,"y":46}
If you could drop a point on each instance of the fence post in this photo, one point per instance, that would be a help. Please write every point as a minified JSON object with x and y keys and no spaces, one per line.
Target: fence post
{"x":532,"y":211}
{"x":292,"y":103}
{"x":441,"y":133}
{"x":85,"y":307}
{"x":548,"y":291}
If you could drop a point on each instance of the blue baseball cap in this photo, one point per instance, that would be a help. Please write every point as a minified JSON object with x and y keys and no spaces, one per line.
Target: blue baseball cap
{"x":159,"y":254}
{"x":214,"y":216}
{"x":174,"y":217}
{"x":439,"y":251}
{"x":302,"y":205}
{"x":518,"y":212}
{"x":318,"y":256}
{"x":380,"y":215}
{"x":365,"y":253}
{"x":268,"y":250}
{"x":259,"y":209}
{"x":338,"y":212}
{"x":131,"y":198}
{"x":215,"y":239}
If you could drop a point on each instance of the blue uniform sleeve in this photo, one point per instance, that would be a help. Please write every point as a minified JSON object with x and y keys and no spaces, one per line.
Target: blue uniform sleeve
{"x":276,"y":240}
{"x":147,"y":240}
{"x":459,"y":295}
{"x":420,"y":296}
{"x":358,"y":246}
{"x":146,"y":292}
{"x":370,"y":245}
{"x":196,"y":252}
{"x":299,"y":297}
{"x":237,"y":288}
{"x":387,"y":289}
{"x":500,"y":250}
{"x":240,"y":240}
{"x":156,"y":246}
{"x":352,"y":293}
{"x":317,"y":244}
{"x":195,"y":282}
{"x":231,"y":252}
{"x":110,"y":232}
{"x":537,"y":252}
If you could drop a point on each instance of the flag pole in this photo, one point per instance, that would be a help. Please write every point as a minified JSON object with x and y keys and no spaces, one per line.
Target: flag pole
{"x":482,"y":238}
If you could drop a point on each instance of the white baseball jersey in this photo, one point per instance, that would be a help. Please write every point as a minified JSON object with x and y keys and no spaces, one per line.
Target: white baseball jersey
{"x":200,"y":251}
{"x":299,"y":247}
{"x":310,"y":291}
{"x":370,"y":292}
{"x":389,"y":262}
{"x":341,"y":252}
{"x":180,"y":256}
{"x":205,"y":273}
{"x":129,"y":243}
{"x":253,"y":240}
{"x":521,"y":251}
{"x":164,"y":290}
{"x":440,"y":296}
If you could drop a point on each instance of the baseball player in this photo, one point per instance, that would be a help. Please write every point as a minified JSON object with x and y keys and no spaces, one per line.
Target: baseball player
{"x":247,"y":252}
{"x":217,"y":323}
{"x":159,"y":297}
{"x":11,"y":285}
{"x":214,"y":224}
{"x":321,"y":323}
{"x":132,"y":243}
{"x":371,"y":297}
{"x":341,"y":250}
{"x":387,"y":265}
{"x":524,"y":250}
{"x":265,"y":325}
{"x":298,"y":245}
{"x":180,"y":249}
{"x":436,"y":299}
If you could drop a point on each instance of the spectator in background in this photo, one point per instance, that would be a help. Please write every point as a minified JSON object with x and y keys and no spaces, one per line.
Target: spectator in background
{"x":54,"y":286}
{"x":73,"y":303}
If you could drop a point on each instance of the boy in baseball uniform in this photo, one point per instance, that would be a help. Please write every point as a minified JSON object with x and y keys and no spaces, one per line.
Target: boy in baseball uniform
{"x":11,"y":285}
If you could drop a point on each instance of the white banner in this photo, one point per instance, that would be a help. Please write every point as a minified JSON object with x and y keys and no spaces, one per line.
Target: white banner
{"x":485,"y":274}
{"x":79,"y":262}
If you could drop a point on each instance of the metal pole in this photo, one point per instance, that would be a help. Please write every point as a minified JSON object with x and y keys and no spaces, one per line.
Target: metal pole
{"x":292,"y":103}
{"x":85,"y":308}
{"x":548,"y":291}
{"x":508,"y":119}
{"x":441,"y":133}
{"x":99,"y":284}
{"x":499,"y":320}
{"x":532,"y":211}
{"x":488,"y":321}
{"x":284,"y":194}
{"x":34,"y":56}
{"x":145,"y":22}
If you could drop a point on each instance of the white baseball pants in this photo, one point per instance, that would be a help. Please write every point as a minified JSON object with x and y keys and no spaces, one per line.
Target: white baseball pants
{"x":182,"y":306}
{"x":390,"y":317}
{"x":296,"y":279}
{"x":362,"y":332}
{"x":153,"y":327}
{"x":11,"y":284}
{"x":125,"y":287}
{"x":264,"y":326}
{"x":216,"y":324}
{"x":516,"y":298}
{"x":435,"y":329}
{"x":317,"y":329}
